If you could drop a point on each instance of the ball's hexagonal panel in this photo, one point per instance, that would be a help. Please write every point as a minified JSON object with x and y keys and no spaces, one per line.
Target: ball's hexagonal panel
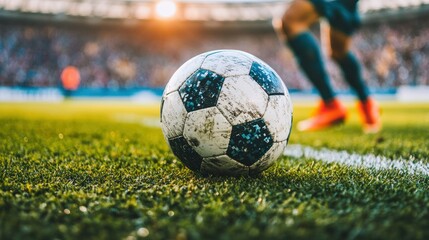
{"x":173,"y":115}
{"x":223,"y":165}
{"x":208,"y":132}
{"x":266,"y":77}
{"x":268,"y":159}
{"x":228,"y":63}
{"x":201,"y":90}
{"x":185,"y":153}
{"x":249,"y":141}
{"x":186,"y":70}
{"x":278,"y":117}
{"x":242,"y":99}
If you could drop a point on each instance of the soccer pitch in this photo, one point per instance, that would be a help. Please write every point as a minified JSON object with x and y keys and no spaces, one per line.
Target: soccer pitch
{"x":86,"y":170}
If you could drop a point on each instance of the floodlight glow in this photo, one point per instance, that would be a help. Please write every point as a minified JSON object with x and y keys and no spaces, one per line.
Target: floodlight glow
{"x":166,"y":9}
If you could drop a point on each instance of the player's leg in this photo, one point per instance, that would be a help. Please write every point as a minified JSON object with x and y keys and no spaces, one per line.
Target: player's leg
{"x":300,"y":15}
{"x":296,"y":21}
{"x":351,"y":68}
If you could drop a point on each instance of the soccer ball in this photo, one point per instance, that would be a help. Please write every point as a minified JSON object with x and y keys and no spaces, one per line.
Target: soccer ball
{"x":226,"y":112}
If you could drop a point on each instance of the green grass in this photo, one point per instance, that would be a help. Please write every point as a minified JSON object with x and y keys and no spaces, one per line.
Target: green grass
{"x":80,"y":170}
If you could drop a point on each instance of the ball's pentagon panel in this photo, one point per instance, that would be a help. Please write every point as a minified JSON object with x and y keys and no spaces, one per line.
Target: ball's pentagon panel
{"x":173,"y":115}
{"x":185,"y":153}
{"x":223,"y":165}
{"x":242,"y":99}
{"x":268,"y":158}
{"x":207,"y":131}
{"x":227,"y":63}
{"x":249,"y":141}
{"x":201,"y":90}
{"x":187,"y":69}
{"x":265,"y":77}
{"x":278,"y":122}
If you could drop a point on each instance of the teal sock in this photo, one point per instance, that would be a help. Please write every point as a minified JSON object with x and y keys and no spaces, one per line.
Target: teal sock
{"x":352,"y":72}
{"x":309,"y":57}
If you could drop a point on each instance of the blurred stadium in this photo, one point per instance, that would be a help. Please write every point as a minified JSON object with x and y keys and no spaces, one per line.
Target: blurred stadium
{"x":122,"y":48}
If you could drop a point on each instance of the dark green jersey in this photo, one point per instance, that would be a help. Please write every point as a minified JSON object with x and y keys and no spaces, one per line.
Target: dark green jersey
{"x":342,"y":15}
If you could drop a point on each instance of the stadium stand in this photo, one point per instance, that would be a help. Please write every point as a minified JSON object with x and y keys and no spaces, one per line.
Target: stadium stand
{"x":189,"y":10}
{"x":146,"y":53}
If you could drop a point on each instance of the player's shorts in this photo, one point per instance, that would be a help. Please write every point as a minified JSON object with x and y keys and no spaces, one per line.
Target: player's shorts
{"x":342,"y":15}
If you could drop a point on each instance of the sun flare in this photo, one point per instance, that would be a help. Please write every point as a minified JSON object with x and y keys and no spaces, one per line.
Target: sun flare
{"x":166,"y":9}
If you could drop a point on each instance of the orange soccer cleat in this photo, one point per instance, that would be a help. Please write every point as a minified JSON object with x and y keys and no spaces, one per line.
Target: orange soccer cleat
{"x":370,"y":115}
{"x":326,"y":115}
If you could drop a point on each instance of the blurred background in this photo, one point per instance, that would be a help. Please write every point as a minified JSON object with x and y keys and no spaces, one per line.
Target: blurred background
{"x":128,"y":49}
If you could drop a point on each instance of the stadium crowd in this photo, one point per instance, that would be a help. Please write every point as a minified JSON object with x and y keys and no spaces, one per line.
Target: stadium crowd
{"x":393,"y":54}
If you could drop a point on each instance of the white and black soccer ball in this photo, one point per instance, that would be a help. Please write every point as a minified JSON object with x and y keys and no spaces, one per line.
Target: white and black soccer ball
{"x":226,"y":112}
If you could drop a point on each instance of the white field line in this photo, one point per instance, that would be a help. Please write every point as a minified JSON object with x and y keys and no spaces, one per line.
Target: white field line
{"x":368,"y":161}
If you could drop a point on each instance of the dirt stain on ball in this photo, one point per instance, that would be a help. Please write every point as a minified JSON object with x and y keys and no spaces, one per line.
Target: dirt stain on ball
{"x":194,"y":142}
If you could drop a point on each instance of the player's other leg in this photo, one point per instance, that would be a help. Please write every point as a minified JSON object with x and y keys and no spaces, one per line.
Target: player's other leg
{"x":296,"y":21}
{"x":352,"y":72}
